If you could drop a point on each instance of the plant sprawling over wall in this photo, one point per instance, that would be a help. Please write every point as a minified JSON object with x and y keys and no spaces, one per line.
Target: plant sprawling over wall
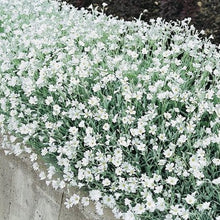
{"x":126,"y":110}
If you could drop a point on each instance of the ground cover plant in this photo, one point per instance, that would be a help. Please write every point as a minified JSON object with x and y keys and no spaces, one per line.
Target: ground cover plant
{"x":127,"y":111}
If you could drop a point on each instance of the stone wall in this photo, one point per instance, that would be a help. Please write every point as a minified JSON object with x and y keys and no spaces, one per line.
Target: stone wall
{"x":23,"y":196}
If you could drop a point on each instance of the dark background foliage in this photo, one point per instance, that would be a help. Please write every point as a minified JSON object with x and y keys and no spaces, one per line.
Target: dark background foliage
{"x":178,"y":9}
{"x":205,"y":14}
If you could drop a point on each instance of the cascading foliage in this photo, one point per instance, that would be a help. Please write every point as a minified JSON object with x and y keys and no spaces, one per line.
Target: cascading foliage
{"x":127,"y":111}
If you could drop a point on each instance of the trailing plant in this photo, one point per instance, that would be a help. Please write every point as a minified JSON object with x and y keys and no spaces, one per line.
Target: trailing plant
{"x":127,"y":111}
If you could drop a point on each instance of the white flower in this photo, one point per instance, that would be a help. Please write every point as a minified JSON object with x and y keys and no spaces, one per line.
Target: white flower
{"x":153,"y":129}
{"x":203,"y":206}
{"x":141,"y":147}
{"x":33,"y":100}
{"x":190,"y":199}
{"x":170,"y":167}
{"x":33,"y":157}
{"x":85,"y":201}
{"x":168,"y":217}
{"x":175,"y":210}
{"x":49,"y":100}
{"x":209,"y":94}
{"x":68,"y":203}
{"x":42,"y":175}
{"x":162,"y":137}
{"x":2,"y":118}
{"x":129,"y":216}
{"x":182,"y":139}
{"x":106,"y":126}
{"x":93,"y":101}
{"x":161,"y":205}
{"x":139,"y":208}
{"x":75,"y":199}
{"x":172,"y":180}
{"x":217,"y":110}
{"x":155,"y":147}
{"x":96,"y":87}
{"x":123,"y":142}
{"x":216,"y":161}
{"x":90,"y":140}
{"x":194,"y":162}
{"x":82,"y":124}
{"x":99,"y":208}
{"x":104,"y":4}
{"x":185,"y":214}
{"x":95,"y":195}
{"x":158,"y":189}
{"x":208,"y":68}
{"x":109,"y":201}
{"x":168,"y":153}
{"x":216,"y":181}
{"x":167,"y":115}
{"x":115,"y":118}
{"x":106,"y":182}
{"x":150,"y":204}
{"x":162,"y":162}
{"x":56,"y":110}
{"x":35,"y":166}
{"x":73,"y":130}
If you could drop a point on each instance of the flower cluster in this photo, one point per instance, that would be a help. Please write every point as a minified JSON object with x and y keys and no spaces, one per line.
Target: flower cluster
{"x":129,"y":111}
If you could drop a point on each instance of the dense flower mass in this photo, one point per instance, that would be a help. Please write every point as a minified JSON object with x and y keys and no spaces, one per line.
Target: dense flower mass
{"x":129,"y":111}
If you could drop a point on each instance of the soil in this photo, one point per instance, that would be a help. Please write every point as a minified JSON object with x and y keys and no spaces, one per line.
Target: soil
{"x":205,"y":13}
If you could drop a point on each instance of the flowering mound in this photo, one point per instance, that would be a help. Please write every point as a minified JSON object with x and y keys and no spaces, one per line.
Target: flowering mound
{"x":126,"y":110}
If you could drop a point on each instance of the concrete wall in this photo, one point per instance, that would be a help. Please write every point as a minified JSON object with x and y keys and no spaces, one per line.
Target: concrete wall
{"x":23,"y":196}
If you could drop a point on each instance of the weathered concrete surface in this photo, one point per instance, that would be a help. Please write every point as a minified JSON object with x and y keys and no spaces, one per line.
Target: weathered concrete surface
{"x":23,"y":196}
